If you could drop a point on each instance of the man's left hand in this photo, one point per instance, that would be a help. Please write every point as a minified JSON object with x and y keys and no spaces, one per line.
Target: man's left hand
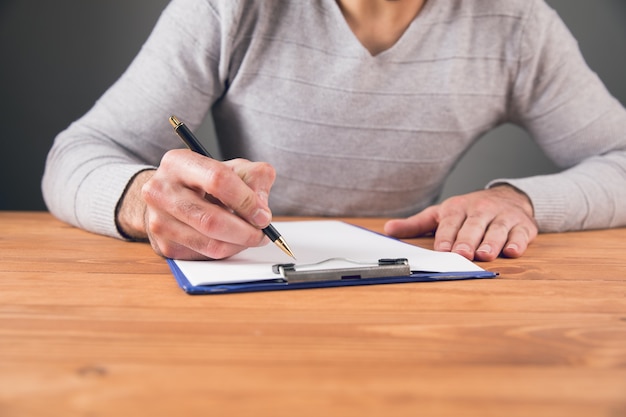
{"x":480,"y":225}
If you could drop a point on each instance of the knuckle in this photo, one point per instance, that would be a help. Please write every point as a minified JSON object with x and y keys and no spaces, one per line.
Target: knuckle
{"x":155,"y":226}
{"x":216,"y":249}
{"x":500,"y":225}
{"x":265,"y":170}
{"x":216,"y":178}
{"x":257,"y":173}
{"x":197,"y":216}
{"x":477,"y":220}
{"x":166,"y":159}
{"x":529,"y":232}
{"x":453,"y":208}
{"x":151,"y":191}
{"x":246,"y":204}
{"x":453,"y":203}
{"x":483,"y":206}
{"x":205,"y":220}
{"x":239,"y":161}
{"x":170,"y":158}
{"x":156,"y":190}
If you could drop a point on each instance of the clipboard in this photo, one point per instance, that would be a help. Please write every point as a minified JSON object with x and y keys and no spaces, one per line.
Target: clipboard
{"x":364,"y":258}
{"x":351,"y":280}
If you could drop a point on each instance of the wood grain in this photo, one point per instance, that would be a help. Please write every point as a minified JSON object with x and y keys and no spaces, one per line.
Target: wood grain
{"x":92,"y":326}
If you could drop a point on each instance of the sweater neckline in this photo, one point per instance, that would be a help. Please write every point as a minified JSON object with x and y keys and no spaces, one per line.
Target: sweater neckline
{"x":407,"y":36}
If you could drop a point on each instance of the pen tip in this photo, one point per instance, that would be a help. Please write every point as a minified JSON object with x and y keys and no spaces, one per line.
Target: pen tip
{"x":280,"y":242}
{"x":289,"y":252}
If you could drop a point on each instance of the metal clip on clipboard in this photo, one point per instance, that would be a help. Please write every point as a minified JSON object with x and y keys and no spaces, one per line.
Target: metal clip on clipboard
{"x":385,"y":268}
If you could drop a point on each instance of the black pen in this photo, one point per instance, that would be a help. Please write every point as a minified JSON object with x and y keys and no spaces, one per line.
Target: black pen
{"x":194,"y":144}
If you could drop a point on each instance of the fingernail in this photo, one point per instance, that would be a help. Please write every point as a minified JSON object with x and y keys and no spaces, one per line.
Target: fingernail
{"x":513,"y":246}
{"x":484,"y":248}
{"x":261,"y":217}
{"x":444,"y":246}
{"x":461,"y":247}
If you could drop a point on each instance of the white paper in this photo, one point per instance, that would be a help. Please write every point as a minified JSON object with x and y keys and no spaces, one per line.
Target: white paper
{"x":316,"y":241}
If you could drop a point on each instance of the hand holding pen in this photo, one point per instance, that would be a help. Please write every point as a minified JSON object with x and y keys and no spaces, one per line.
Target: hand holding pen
{"x":201,"y":208}
{"x":194,"y":144}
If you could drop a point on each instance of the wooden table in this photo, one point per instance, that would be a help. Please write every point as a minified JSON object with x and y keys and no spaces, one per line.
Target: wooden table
{"x":91,"y":326}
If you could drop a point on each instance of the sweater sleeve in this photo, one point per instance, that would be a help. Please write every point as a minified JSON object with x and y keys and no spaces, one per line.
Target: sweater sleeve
{"x":177,"y":71}
{"x":574,"y":119}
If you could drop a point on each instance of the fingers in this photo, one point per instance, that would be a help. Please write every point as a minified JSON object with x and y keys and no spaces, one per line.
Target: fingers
{"x":480,"y":225}
{"x":259,"y":176}
{"x":420,"y":224}
{"x":452,"y":217}
{"x":519,"y":239}
{"x":224,"y":182}
{"x":174,"y":239}
{"x":199,"y":208}
{"x":487,"y":238}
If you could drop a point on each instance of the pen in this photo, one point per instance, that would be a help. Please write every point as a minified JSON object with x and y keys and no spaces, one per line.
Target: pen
{"x":194,"y":144}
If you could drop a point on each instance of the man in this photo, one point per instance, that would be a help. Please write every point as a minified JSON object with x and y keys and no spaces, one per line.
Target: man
{"x":356,"y":108}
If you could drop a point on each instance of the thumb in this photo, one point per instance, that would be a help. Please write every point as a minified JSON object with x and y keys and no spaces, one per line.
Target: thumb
{"x":259,"y":177}
{"x":420,"y":224}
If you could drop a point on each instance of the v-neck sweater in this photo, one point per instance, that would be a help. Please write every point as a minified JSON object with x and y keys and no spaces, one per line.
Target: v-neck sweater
{"x":351,"y":134}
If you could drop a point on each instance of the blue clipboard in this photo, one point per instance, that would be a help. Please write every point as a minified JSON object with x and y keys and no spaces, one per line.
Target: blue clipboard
{"x":329,"y":279}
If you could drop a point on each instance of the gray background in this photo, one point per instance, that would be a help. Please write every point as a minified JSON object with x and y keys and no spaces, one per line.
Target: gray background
{"x":58,"y":57}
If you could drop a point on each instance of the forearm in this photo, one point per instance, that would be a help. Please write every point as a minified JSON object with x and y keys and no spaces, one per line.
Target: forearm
{"x":84,"y":179}
{"x":92,"y":162}
{"x":587,"y":196}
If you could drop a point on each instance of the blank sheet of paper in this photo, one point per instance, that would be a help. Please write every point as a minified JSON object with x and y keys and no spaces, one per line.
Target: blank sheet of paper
{"x":316,"y":241}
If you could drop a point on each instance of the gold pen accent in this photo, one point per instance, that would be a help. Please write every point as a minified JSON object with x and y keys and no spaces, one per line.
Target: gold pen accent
{"x":194,"y":144}
{"x":175,"y":122}
{"x":280,"y":242}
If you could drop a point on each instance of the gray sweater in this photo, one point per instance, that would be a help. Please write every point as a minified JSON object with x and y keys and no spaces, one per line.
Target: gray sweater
{"x":351,"y":134}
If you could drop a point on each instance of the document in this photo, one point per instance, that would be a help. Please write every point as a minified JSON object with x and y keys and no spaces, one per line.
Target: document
{"x":320,"y":244}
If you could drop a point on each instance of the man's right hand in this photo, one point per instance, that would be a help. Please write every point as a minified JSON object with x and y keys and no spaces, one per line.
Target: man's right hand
{"x":194,"y":207}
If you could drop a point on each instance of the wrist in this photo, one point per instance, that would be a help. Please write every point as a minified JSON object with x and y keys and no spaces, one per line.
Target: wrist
{"x":516,"y":194}
{"x":131,"y":208}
